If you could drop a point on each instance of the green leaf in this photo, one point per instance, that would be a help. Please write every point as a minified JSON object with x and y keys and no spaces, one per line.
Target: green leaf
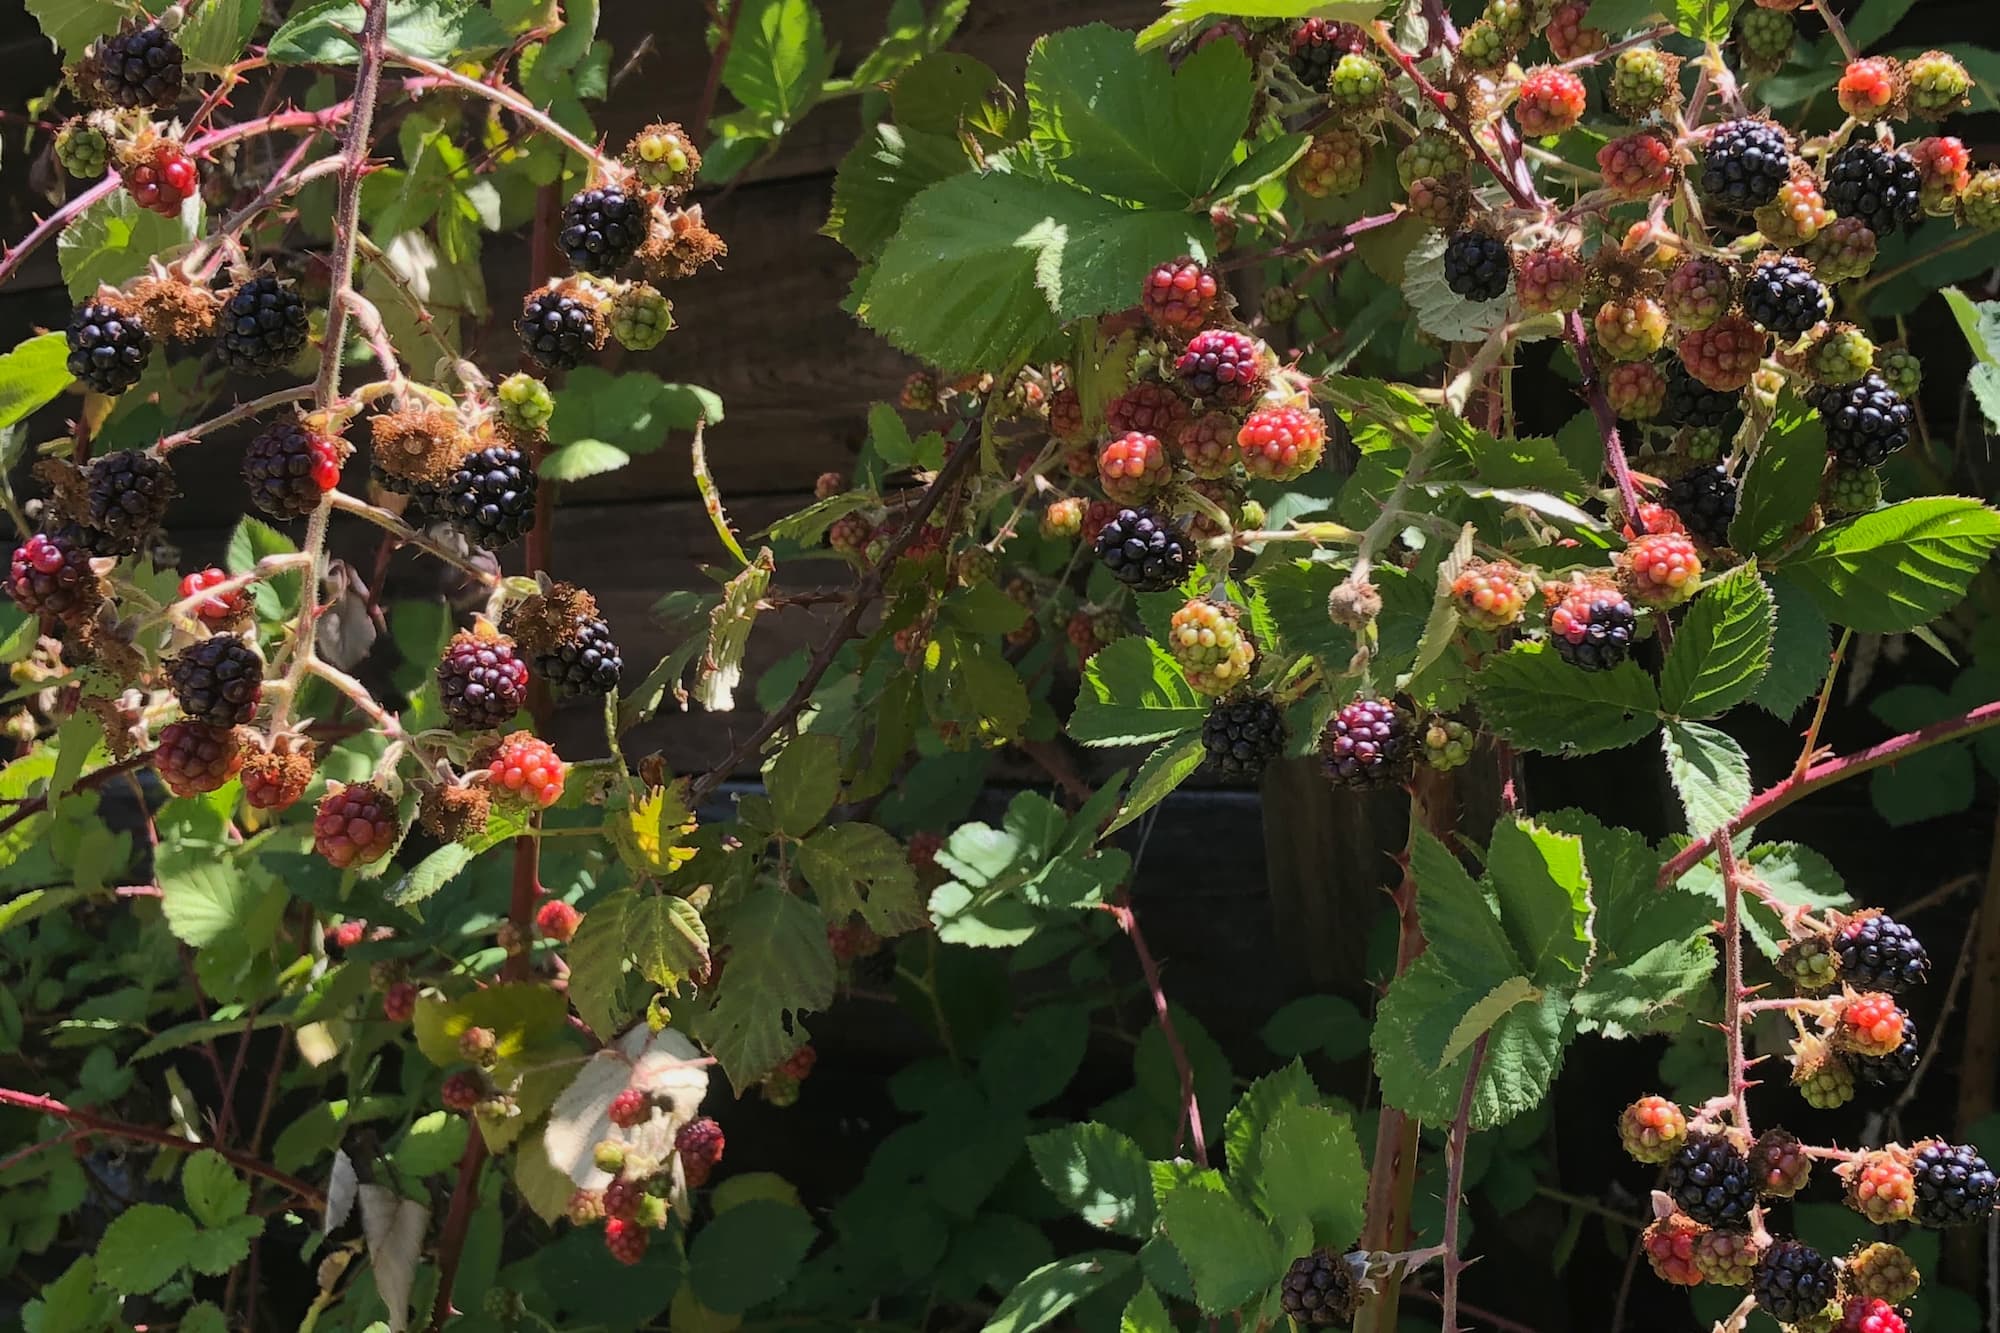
{"x":1118,"y":122}
{"x":1231,"y":1255}
{"x":442,"y":30}
{"x":584,"y":458}
{"x":1265,"y":163}
{"x":596,"y":957}
{"x":1874,"y":20}
{"x":810,"y":524}
{"x":1979,"y":321}
{"x":1897,"y":568}
{"x":1054,"y":1288}
{"x":203,"y":893}
{"x":1134,"y":692}
{"x":432,"y":873}
{"x":1145,"y":1313}
{"x":1006,"y":880}
{"x":1184,"y":14}
{"x":804,"y":781}
{"x":1534,"y":699}
{"x":1524,"y":1052}
{"x":32,"y":375}
{"x":1710,"y":771}
{"x":729,"y":625}
{"x":217,"y":1250}
{"x":1783,"y":483}
{"x":1243,"y":1128}
{"x":666,"y":937}
{"x":71,"y":25}
{"x":217,"y":31}
{"x":1704,"y":20}
{"x":780,"y":967}
{"x":1165,"y":769}
{"x":777,"y":59}
{"x":860,"y":870}
{"x":1309,"y":1169}
{"x":1722,"y":648}
{"x":878,"y":178}
{"x":1799,"y":653}
{"x":632,"y":410}
{"x":215,"y":1193}
{"x":1615,"y":16}
{"x":143,"y":1248}
{"x":114,"y":239}
{"x":521,"y":1017}
{"x":748,"y":1255}
{"x":985,"y":267}
{"x":74,"y":743}
{"x":1099,"y":1174}
{"x":1543,"y":889}
{"x":1460,"y":923}
{"x":1330,"y":1024}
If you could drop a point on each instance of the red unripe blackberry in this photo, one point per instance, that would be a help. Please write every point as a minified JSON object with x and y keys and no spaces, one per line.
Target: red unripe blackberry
{"x":140,"y":66}
{"x":1178,"y":297}
{"x":1568,"y":36}
{"x":1147,"y":406}
{"x":461,"y":1092}
{"x":1743,"y":163}
{"x":1063,"y":518}
{"x":1725,"y":354}
{"x":1636,"y":390}
{"x":481,"y":682}
{"x":1779,"y":1164}
{"x":1144,"y":550}
{"x":1652,"y":1128}
{"x":799,"y":1064}
{"x":1945,"y":167}
{"x":1881,"y":954}
{"x":348,"y":934}
{"x":220,"y":611}
{"x":1318,"y":1290}
{"x":1476,"y":265}
{"x":559,"y":329}
{"x":1638,"y":166}
{"x":603,"y":228}
{"x":1367,"y":744}
{"x":919,"y":392}
{"x":1878,"y":185}
{"x":263,"y":326}
{"x":629,"y":1109}
{"x":1783,"y":297}
{"x":1705,"y":499}
{"x":1241,"y":736}
{"x":1654,"y":518}
{"x":354,"y":825}
{"x":164,"y":181}
{"x":290,"y":468}
{"x":1551,"y":100}
{"x":1955,"y":1186}
{"x":1698,"y":292}
{"x":50,"y":575}
{"x":923,"y":847}
{"x":1334,"y":163}
{"x":1793,"y":1281}
{"x":276,"y":778}
{"x":626,"y":1240}
{"x":490,"y":498}
{"x":1222,"y":366}
{"x":194,"y":757}
{"x":1868,"y":87}
{"x":1281,"y":443}
{"x":108,"y":347}
{"x":1882,"y":1188}
{"x":527,"y":769}
{"x":1207,"y":445}
{"x":399,"y":1002}
{"x":700,"y":1144}
{"x":218,"y":680}
{"x":1865,"y":421}
{"x":1631,"y":328}
{"x":849,"y":534}
{"x":1593,"y":627}
{"x":1669,"y":1243}
{"x":1439,"y":202}
{"x":1548,"y":278}
{"x":1491,"y":595}
{"x":1864,"y":1314}
{"x":1660,"y":571}
{"x":1066,"y":415}
{"x":1870,"y":1024}
{"x":1132,"y":466}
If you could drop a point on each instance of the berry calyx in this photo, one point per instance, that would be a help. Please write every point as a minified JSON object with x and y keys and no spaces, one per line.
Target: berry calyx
{"x":1178,"y":297}
{"x":526,"y":769}
{"x":1652,"y":1129}
{"x":354,"y":825}
{"x":1211,"y":648}
{"x":1281,"y":443}
{"x":1367,"y":744}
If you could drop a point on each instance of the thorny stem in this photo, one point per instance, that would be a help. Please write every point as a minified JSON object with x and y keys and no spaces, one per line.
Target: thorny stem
{"x":1454,"y":1189}
{"x":1121,"y":912}
{"x":289,"y":178}
{"x":505,"y":97}
{"x":1825,"y":774}
{"x":409,"y":536}
{"x":97,"y":1124}
{"x":1838,"y":29}
{"x":256,"y":407}
{"x":1811,"y":745}
{"x":1732,"y":978}
{"x":1600,"y":409}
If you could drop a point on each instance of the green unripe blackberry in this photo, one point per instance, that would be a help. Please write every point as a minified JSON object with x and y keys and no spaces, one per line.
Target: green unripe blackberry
{"x":1854,"y":490}
{"x":1765,"y":37}
{"x":1429,"y":154}
{"x":526,"y":403}
{"x":1900,"y":370}
{"x":1979,"y":201}
{"x":1482,"y":46}
{"x":1447,"y":744}
{"x":1513,"y":19}
{"x":1842,"y":356}
{"x":1640,"y":79}
{"x":1357,"y":86}
{"x":82,"y":149}
{"x":1809,"y":963}
{"x":641,"y":317}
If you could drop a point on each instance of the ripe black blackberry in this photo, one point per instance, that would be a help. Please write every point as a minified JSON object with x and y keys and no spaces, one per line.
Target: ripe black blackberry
{"x":218,"y":680}
{"x":481,"y":682}
{"x":1144,"y":550}
{"x":1705,"y":499}
{"x":1881,"y":186}
{"x":288,"y":468}
{"x":1368,"y":744}
{"x":1955,"y":1187}
{"x":1793,"y":1281}
{"x":1476,"y":266}
{"x":1892,"y":1070}
{"x":1710,"y":1180}
{"x":1242,"y":735}
{"x":491,"y":496}
{"x":1878,"y":952}
{"x":128,"y":494}
{"x":1744,"y":164}
{"x":108,"y":347}
{"x":263,"y":326}
{"x":603,"y":228}
{"x":1318,"y":1290}
{"x":586,"y":663}
{"x":1689,"y":402}
{"x":1866,"y":421}
{"x":1783,"y":297}
{"x":560,"y":330}
{"x":139,"y":67}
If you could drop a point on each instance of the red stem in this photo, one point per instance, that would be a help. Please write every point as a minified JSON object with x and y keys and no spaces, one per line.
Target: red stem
{"x":1454,"y":1188}
{"x":1122,"y":913}
{"x":1826,"y":773}
{"x":1732,"y":980}
{"x":713,"y":84}
{"x":451,"y":1240}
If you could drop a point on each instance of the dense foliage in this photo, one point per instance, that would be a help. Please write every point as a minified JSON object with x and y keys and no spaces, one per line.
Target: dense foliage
{"x":1392,"y":390}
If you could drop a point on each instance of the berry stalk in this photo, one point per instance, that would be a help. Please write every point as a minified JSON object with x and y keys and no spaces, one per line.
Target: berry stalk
{"x":1454,"y":1188}
{"x":1732,"y":978}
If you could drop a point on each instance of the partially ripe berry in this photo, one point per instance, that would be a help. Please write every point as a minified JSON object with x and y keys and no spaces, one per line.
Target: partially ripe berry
{"x":1569,"y":37}
{"x":1881,"y":1188}
{"x":1630,"y":329}
{"x":1979,"y":201}
{"x":1698,"y":292}
{"x":1551,"y":100}
{"x":1334,"y":163}
{"x":1281,"y":443}
{"x":1222,"y":366}
{"x":526,"y":769}
{"x":1868,"y":87}
{"x":1641,"y":79}
{"x":1178,"y":297}
{"x":1944,"y":166}
{"x":355,"y":825}
{"x":194,"y":757}
{"x":1669,"y":1243}
{"x":1491,"y":595}
{"x":1871,"y":1024}
{"x":626,"y":1239}
{"x":1637,"y":166}
{"x":218,"y":611}
{"x":699,"y":1143}
{"x":1863,"y":1314}
{"x":1727,"y":1258}
{"x":1636,"y":390}
{"x":1884,"y":1272}
{"x":557,"y":920}
{"x":1212,"y":649}
{"x":1147,"y":406}
{"x":1592,"y":627}
{"x":1063,"y":518}
{"x":1661,"y":570}
{"x":399,"y":1002}
{"x":1724,"y":355}
{"x":1367,"y":744}
{"x":1796,"y":215}
{"x":1207,"y":445}
{"x":1549,"y":279}
{"x":1132,"y":466}
{"x":1779,"y":1165}
{"x":1431,"y":153}
{"x":1841,"y":355}
{"x":629,"y":1109}
{"x":1652,"y":1128}
{"x":462,"y":1091}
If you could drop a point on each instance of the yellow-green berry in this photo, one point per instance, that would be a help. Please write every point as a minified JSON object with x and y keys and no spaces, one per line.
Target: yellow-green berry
{"x":641,"y":317}
{"x":1901,"y":370}
{"x":1447,"y":744}
{"x":1854,"y":490}
{"x":1841,"y":356}
{"x":82,"y":149}
{"x":1357,"y":87}
{"x":525,"y":403}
